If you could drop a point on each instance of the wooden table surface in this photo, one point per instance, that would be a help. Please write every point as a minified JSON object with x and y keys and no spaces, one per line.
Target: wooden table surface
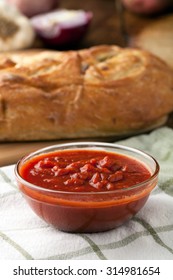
{"x":105,"y":28}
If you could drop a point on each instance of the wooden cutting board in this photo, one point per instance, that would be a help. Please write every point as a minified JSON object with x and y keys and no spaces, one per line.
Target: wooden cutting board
{"x":10,"y":153}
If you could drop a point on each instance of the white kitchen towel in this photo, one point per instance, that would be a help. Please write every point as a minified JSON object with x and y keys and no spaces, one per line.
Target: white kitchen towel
{"x":149,"y":235}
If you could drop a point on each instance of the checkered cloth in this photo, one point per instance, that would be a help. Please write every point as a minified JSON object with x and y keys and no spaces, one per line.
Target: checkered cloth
{"x":149,"y":235}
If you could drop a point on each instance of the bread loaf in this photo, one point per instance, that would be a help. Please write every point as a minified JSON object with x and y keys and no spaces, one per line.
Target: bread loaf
{"x":96,"y":92}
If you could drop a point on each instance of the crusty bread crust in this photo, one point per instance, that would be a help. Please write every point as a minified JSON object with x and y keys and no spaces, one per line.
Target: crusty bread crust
{"x":96,"y":92}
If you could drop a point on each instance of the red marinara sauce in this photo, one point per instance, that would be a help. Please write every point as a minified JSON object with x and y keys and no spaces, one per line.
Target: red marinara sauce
{"x":84,"y":190}
{"x":84,"y":171}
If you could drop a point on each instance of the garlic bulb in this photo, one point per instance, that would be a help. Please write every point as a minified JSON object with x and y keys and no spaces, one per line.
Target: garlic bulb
{"x":16,"y":31}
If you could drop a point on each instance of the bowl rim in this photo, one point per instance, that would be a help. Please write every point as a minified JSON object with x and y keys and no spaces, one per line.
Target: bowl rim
{"x":74,"y":145}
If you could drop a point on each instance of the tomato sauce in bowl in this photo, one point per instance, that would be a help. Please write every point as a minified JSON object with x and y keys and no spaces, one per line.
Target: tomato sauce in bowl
{"x":87,"y":186}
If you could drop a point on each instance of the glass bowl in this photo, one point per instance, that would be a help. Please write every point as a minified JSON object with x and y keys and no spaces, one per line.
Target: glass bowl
{"x":88,"y":211}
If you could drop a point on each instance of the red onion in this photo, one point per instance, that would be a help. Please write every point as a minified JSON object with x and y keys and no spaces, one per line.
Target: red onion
{"x":61,"y":26}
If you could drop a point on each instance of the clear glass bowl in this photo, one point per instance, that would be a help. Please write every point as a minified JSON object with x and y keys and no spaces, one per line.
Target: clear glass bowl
{"x":88,"y":211}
